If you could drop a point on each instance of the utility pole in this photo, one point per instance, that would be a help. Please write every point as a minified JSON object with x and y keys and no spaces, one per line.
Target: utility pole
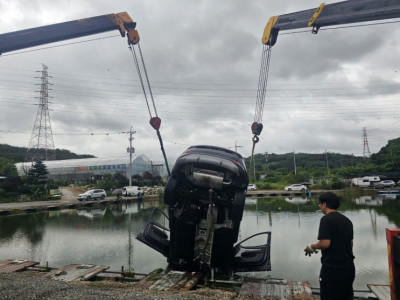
{"x":236,"y":146}
{"x":130,"y":150}
{"x":327,"y":163}
{"x":294,"y":161}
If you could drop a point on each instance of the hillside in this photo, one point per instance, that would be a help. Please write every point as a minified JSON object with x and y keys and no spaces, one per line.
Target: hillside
{"x":319,"y":164}
{"x":17,"y":154}
{"x":385,"y":162}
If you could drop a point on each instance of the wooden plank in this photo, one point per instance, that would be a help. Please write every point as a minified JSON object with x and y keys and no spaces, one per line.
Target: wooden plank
{"x":381,"y":291}
{"x":250,"y":289}
{"x":187,"y":282}
{"x":193,"y":279}
{"x":10,"y":265}
{"x":299,"y":290}
{"x":76,"y":272}
{"x":276,"y":289}
{"x":151,"y":278}
{"x":167,"y":281}
{"x":5,"y":262}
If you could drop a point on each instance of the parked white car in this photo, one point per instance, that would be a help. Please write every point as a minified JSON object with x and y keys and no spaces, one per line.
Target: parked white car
{"x":388,"y":183}
{"x":251,"y":187}
{"x":92,"y":194}
{"x":132,"y":191}
{"x":296,"y":187}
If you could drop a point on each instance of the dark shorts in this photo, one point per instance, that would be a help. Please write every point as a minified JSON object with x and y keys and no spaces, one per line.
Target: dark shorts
{"x":337,"y":283}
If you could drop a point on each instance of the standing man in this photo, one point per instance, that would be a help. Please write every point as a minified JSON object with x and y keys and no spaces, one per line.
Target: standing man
{"x":335,"y":239}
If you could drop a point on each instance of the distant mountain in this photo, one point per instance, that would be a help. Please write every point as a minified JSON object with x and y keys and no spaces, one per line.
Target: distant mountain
{"x":305,"y":161}
{"x":17,"y":154}
{"x":385,"y":162}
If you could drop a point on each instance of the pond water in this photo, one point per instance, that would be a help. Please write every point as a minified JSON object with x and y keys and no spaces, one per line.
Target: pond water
{"x":106,"y":236}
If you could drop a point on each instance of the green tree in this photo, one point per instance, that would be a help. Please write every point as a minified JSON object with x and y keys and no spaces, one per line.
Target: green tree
{"x":388,"y":156}
{"x":38,"y":173}
{"x":7,"y":167}
{"x":12,"y":183}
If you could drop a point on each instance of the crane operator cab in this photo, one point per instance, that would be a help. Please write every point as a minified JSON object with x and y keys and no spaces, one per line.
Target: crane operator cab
{"x":205,"y":195}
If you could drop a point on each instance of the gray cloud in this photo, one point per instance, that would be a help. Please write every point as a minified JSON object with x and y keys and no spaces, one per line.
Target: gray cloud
{"x":203,"y":60}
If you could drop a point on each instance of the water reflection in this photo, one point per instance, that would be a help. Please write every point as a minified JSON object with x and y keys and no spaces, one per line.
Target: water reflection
{"x":91,"y":212}
{"x":299,"y":200}
{"x":369,"y":200}
{"x":105,"y":235}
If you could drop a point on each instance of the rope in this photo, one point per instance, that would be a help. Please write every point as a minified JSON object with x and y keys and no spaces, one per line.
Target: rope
{"x":262,"y":83}
{"x":147,"y":101}
{"x":252,"y":157}
{"x":261,"y":91}
{"x":147,"y":79}
{"x":140,"y":76}
{"x":163,"y":152}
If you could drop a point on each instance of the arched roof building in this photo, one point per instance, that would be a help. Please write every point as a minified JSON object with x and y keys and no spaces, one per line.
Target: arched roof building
{"x":80,"y":169}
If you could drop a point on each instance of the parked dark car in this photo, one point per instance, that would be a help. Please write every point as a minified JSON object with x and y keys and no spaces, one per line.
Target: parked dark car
{"x":206,"y":194}
{"x":378,"y":185}
{"x":384,"y":184}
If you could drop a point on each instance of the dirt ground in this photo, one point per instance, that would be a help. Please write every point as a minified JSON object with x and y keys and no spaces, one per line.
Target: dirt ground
{"x":71,"y":192}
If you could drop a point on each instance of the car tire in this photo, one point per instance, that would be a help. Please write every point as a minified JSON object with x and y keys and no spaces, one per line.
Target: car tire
{"x":289,"y":190}
{"x":238,"y":206}
{"x":88,"y":198}
{"x":102,"y":197}
{"x":303,"y":190}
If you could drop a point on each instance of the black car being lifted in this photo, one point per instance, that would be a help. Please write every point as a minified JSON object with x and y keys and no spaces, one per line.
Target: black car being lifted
{"x":205,"y":195}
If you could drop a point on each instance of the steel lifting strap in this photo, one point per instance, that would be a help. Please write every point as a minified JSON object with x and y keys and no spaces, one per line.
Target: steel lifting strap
{"x":155,"y":122}
{"x":257,"y":126}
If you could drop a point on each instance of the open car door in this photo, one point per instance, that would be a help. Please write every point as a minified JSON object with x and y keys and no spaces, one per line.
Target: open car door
{"x":247,"y":256}
{"x":250,"y":257}
{"x":154,"y":234}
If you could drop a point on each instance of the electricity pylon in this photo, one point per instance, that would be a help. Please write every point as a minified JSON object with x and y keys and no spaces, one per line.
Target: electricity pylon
{"x":366,"y":151}
{"x":41,"y":144}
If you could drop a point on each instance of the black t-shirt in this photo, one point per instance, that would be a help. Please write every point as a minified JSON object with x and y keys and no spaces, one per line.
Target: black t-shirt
{"x":339,"y":230}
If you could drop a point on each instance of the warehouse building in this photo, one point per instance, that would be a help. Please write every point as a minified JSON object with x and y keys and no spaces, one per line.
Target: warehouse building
{"x":77,"y":170}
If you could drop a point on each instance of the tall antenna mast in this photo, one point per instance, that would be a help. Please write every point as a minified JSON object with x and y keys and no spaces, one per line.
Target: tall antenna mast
{"x":41,"y":144}
{"x":366,"y":151}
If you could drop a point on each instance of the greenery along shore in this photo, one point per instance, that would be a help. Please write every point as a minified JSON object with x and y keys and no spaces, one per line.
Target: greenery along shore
{"x":272,"y":171}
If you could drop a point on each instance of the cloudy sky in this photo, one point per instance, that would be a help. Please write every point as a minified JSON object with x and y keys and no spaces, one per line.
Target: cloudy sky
{"x":203,"y":60}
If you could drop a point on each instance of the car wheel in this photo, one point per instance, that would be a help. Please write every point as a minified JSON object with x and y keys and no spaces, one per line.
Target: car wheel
{"x":88,"y":198}
{"x":102,"y":197}
{"x":238,"y":206}
{"x":289,"y":189}
{"x":303,"y":190}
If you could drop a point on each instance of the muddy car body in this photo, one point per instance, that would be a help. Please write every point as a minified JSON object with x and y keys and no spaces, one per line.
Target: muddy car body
{"x":205,"y":195}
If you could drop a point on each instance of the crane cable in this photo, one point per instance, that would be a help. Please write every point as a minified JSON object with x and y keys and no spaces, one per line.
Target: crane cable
{"x":155,"y":122}
{"x":257,"y":126}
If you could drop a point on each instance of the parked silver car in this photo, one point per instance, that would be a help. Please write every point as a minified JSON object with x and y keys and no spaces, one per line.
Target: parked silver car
{"x":296,"y":187}
{"x":388,"y":183}
{"x":251,"y":187}
{"x":92,"y":194}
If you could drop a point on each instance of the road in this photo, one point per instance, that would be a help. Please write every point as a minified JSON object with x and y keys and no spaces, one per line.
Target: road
{"x":69,"y":193}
